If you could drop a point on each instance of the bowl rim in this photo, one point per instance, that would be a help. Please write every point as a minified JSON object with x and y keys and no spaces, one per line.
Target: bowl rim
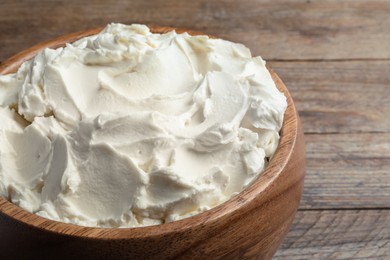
{"x":258,"y":187}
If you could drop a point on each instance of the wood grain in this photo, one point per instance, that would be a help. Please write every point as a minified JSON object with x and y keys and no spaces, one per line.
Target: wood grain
{"x":332,"y":234}
{"x":282,"y":30}
{"x":340,"y":97}
{"x":347,"y":171}
{"x":341,"y":105}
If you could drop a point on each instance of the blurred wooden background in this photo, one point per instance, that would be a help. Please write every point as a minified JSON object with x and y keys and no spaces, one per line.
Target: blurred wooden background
{"x":334,"y":56}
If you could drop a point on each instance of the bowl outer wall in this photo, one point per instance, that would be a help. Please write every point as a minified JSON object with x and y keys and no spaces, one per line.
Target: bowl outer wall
{"x":250,"y":224}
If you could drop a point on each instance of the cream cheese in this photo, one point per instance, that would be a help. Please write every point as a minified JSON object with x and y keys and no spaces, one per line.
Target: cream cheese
{"x":129,"y":128}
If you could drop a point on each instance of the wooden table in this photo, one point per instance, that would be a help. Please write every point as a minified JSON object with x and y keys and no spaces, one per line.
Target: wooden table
{"x":334,"y":56}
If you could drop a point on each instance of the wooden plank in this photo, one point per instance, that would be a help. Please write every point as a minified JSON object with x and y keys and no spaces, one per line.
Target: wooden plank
{"x":282,"y":30}
{"x":348,"y":234}
{"x":347,"y":171}
{"x":339,"y":97}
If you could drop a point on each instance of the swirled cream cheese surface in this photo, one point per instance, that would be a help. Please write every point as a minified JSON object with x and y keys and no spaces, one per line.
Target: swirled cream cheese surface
{"x":129,"y":128}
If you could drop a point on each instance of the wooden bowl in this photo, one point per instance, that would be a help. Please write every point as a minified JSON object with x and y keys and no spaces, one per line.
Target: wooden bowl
{"x":251,"y":224}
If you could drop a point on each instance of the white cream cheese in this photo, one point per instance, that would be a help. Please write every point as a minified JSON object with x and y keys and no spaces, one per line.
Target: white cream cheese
{"x":129,"y":128}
